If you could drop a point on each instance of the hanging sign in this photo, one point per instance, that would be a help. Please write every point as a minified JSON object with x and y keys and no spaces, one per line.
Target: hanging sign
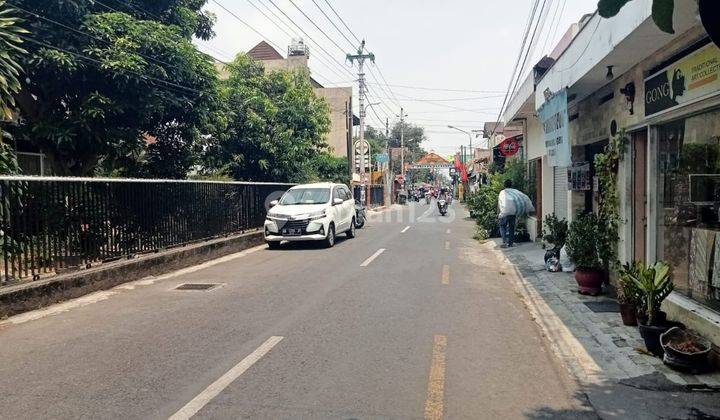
{"x":688,"y":79}
{"x":554,"y":117}
{"x":509,"y":147}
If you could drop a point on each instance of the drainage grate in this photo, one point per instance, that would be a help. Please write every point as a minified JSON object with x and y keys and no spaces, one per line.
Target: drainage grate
{"x":197,"y":286}
{"x":604,"y":306}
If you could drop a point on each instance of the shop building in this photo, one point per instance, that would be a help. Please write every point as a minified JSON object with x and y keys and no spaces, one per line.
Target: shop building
{"x":623,"y":75}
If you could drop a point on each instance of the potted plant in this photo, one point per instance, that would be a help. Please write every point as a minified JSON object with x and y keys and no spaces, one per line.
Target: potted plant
{"x":654,"y":285}
{"x":582,"y":248}
{"x":554,"y":235}
{"x":628,"y":293}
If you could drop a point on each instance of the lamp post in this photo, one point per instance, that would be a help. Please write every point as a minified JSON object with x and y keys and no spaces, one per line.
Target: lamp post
{"x":469,"y":136}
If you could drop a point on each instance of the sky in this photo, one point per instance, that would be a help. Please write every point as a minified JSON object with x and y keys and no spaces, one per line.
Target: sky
{"x":445,"y":62}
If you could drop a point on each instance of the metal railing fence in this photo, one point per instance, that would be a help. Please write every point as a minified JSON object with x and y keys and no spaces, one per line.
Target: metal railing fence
{"x":50,"y":223}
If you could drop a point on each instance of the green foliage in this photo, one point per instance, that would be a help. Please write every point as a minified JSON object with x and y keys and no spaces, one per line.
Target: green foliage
{"x":10,"y":41}
{"x":607,"y":165}
{"x":662,"y":12}
{"x":582,"y":245}
{"x":483,"y":203}
{"x":654,"y":286}
{"x":628,"y":291}
{"x":275,"y":125}
{"x":94,"y":96}
{"x":327,"y":167}
{"x":555,"y":231}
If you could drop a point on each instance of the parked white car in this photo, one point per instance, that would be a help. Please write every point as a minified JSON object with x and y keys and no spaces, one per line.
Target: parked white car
{"x":311,"y":212}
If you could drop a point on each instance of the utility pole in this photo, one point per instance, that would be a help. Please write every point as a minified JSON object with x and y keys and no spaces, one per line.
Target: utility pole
{"x":360,"y":57}
{"x":402,"y":142}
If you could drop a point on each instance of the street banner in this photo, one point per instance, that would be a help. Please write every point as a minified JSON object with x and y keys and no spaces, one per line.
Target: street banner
{"x":554,"y":117}
{"x":688,"y":79}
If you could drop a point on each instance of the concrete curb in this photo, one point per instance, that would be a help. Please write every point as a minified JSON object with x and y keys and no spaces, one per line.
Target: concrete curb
{"x":567,"y":348}
{"x":31,"y":296}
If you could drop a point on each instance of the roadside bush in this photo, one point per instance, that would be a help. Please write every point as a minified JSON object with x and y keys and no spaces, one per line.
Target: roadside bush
{"x":483,"y":203}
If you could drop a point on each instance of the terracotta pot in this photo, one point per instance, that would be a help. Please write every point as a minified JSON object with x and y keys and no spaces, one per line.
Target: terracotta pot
{"x":628,"y":312}
{"x":589,"y":281}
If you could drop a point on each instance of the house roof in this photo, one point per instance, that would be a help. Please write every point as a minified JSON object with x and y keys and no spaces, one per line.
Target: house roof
{"x":432,"y":158}
{"x":264,"y":51}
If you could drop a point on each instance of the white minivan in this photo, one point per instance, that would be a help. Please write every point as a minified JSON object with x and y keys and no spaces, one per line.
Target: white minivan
{"x":311,"y":212}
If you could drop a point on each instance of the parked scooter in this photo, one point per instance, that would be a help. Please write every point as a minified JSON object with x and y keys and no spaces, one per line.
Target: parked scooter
{"x":360,"y":215}
{"x":442,"y":206}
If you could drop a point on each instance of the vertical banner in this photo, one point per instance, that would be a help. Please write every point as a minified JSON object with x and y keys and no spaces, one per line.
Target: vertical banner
{"x":554,"y":117}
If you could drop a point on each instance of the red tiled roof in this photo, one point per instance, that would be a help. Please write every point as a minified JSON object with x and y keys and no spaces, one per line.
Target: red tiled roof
{"x":264,"y":51}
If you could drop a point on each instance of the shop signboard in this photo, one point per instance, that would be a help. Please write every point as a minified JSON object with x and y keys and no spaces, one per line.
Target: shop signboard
{"x":686,"y":80}
{"x":554,"y":117}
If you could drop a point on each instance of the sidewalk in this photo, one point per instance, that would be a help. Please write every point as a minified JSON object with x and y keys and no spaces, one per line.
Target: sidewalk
{"x":608,"y":359}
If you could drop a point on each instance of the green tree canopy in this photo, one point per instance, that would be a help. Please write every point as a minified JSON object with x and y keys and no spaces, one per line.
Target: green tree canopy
{"x":116,"y":81}
{"x":275,"y":125}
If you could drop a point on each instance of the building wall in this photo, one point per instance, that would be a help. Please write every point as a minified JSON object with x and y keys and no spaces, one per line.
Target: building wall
{"x":340,"y":102}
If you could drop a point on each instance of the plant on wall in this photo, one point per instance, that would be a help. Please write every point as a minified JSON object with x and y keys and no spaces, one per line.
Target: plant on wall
{"x":607,"y":165}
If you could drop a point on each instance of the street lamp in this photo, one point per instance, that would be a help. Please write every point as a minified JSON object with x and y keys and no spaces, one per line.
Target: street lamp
{"x":469,"y":135}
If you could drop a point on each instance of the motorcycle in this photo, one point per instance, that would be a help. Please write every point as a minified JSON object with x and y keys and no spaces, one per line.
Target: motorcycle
{"x":427,"y":198}
{"x":443,"y":206}
{"x":360,"y":215}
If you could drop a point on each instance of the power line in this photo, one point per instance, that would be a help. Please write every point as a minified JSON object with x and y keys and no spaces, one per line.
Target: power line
{"x":309,"y":37}
{"x":445,"y":90}
{"x":246,"y":24}
{"x":333,"y":24}
{"x":342,"y":21}
{"x":517,"y":62}
{"x":316,"y":26}
{"x":392,"y":94}
{"x":319,"y":56}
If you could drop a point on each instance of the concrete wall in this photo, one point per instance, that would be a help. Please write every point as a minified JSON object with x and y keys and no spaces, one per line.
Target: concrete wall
{"x":340,"y":102}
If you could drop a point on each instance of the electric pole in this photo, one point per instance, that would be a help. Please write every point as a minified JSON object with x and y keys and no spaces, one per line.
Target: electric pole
{"x":402,"y":142}
{"x":360,"y":57}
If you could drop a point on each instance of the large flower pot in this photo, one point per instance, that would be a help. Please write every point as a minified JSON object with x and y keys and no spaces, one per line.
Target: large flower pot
{"x":651,"y":335}
{"x":685,"y":351}
{"x":589,"y":281}
{"x":628,"y":312}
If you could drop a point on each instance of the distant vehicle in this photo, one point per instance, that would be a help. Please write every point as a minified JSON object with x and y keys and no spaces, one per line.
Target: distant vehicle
{"x":442,"y":206}
{"x":360,"y":215}
{"x":311,"y":212}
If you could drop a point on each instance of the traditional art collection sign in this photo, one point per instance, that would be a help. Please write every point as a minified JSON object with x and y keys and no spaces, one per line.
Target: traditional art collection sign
{"x":688,"y":79}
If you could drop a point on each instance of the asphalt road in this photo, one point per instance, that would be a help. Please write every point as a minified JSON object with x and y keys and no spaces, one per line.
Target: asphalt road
{"x":428,"y":328}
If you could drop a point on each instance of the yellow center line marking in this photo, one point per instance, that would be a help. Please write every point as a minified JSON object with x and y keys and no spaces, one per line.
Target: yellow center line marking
{"x":446,"y":274}
{"x":435,"y":402}
{"x":447,"y":244}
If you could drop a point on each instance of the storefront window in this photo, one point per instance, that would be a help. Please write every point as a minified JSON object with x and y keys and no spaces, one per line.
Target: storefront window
{"x":688,"y":194}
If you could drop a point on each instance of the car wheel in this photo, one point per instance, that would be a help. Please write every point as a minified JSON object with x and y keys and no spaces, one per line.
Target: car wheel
{"x":273,"y":244}
{"x":330,"y":238}
{"x":351,"y":232}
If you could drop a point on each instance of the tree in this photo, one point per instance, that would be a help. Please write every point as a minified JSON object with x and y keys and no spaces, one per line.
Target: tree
{"x":662,"y":12}
{"x":327,"y":167}
{"x":103,"y":80}
{"x":10,"y":49}
{"x":275,"y":125}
